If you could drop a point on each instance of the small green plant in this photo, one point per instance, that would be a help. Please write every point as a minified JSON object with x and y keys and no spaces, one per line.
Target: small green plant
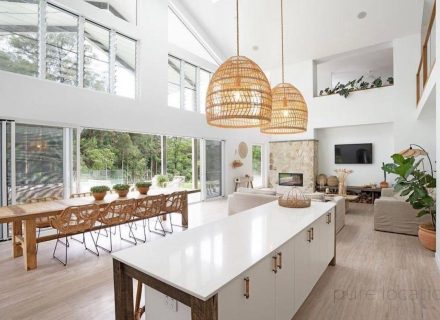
{"x":143,"y":184}
{"x":414,"y":184}
{"x":99,"y":189}
{"x":344,"y":90}
{"x":121,"y":187}
{"x":162,"y":180}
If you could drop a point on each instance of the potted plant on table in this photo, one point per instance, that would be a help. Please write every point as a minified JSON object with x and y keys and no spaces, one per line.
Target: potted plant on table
{"x":384,"y":183}
{"x":99,"y":192}
{"x":418,"y":187}
{"x":162,"y":180}
{"x":143,"y":187}
{"x":122,"y":189}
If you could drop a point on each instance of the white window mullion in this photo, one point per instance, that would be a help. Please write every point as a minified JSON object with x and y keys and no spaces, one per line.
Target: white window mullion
{"x":4,"y":186}
{"x":112,"y":66}
{"x":197,"y":106}
{"x":182,"y":84}
{"x":81,"y":21}
{"x":78,"y":159}
{"x":67,"y":157}
{"x":13,"y":171}
{"x":42,"y":39}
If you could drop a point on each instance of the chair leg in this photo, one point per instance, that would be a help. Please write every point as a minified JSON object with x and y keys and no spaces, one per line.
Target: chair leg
{"x":145,"y":234}
{"x":95,"y":252}
{"x":130,"y":234}
{"x":65,"y":246}
{"x":77,"y":240}
{"x":111,"y":243}
{"x":156,"y":232}
{"x":161,"y":225}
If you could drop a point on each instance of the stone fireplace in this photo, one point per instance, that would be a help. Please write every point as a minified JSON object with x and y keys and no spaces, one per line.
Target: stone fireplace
{"x":294,"y":163}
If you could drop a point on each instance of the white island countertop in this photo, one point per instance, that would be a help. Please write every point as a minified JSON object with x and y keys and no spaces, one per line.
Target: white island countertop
{"x":202,"y":260}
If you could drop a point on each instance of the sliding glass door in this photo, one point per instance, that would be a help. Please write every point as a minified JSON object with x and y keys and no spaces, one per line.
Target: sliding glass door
{"x":5,"y":171}
{"x":214,"y":169}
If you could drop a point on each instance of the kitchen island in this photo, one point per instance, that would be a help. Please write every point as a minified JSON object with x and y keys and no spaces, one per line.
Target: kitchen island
{"x":258,"y":264}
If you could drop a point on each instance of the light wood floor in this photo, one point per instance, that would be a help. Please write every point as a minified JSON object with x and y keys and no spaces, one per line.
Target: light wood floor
{"x":372,"y":267}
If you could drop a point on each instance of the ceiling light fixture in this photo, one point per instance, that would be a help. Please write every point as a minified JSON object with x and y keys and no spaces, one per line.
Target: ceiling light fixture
{"x":239,"y":94}
{"x":289,"y":109}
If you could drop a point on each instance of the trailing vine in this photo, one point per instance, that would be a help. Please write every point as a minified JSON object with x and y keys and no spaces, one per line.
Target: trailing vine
{"x":355,"y":85}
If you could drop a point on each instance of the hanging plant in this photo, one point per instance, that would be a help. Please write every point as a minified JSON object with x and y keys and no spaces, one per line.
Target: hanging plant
{"x":355,"y":85}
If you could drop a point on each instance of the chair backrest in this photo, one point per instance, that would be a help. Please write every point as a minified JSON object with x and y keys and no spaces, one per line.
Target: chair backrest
{"x":80,"y":195}
{"x":149,"y":206}
{"x":76,"y":219}
{"x":175,"y":202}
{"x":118,"y":211}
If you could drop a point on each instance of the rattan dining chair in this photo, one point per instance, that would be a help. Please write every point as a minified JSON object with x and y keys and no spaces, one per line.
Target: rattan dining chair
{"x":42,"y":222}
{"x":116,"y":213}
{"x":147,"y":208}
{"x":75,"y":220}
{"x":174,"y":203}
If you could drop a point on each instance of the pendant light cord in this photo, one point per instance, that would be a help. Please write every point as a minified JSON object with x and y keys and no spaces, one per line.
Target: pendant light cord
{"x":238,"y":31}
{"x":282,"y":43}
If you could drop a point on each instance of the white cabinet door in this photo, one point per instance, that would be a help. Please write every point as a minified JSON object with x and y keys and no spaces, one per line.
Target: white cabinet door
{"x":329,"y":235}
{"x":284,"y":282}
{"x":302,"y":265}
{"x":260,"y":305}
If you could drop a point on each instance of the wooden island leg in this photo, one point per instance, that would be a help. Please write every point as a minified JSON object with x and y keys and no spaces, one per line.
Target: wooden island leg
{"x":17,"y":232}
{"x":30,"y":244}
{"x":123,"y":286}
{"x":185,"y":211}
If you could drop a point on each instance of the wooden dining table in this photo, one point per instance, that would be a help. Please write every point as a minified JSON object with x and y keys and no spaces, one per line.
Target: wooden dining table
{"x":23,"y":219}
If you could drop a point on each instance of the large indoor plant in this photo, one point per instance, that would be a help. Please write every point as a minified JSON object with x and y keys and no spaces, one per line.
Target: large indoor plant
{"x":417,"y":186}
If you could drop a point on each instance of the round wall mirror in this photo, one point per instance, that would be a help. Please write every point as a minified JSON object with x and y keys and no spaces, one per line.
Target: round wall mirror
{"x":242,"y":150}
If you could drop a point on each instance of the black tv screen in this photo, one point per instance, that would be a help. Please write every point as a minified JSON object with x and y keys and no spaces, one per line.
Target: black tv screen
{"x":354,"y":153}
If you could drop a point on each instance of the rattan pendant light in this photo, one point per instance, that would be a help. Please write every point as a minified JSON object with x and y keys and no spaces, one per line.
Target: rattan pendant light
{"x":239,"y":94}
{"x":289,"y":109}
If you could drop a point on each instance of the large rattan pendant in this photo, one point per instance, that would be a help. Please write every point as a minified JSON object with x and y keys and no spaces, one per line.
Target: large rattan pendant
{"x":289,"y":111}
{"x":239,"y":95}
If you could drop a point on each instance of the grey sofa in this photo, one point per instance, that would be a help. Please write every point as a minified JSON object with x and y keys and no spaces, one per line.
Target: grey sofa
{"x":393,"y":214}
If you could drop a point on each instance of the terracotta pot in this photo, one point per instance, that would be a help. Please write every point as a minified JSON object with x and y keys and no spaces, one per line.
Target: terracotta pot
{"x":384,"y":184}
{"x":427,"y":236}
{"x":122,"y":193}
{"x":99,"y":196}
{"x":143,"y":190}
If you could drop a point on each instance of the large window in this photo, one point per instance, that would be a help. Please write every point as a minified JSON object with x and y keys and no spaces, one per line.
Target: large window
{"x":125,"y":73}
{"x":110,"y":157}
{"x":19,"y":36}
{"x":96,"y":57}
{"x":75,"y":51}
{"x":213,"y":168}
{"x":187,"y":85}
{"x":38,"y":162}
{"x":257,"y":166}
{"x":61,"y":46}
{"x":173,"y":82}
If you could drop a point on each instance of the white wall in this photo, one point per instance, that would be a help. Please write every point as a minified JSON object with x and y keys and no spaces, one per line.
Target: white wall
{"x":377,"y":134}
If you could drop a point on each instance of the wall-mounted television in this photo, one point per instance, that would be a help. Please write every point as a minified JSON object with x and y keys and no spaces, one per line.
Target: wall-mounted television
{"x":354,"y":153}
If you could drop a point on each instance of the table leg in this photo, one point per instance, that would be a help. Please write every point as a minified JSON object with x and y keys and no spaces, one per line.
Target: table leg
{"x":123,"y":287}
{"x":17,"y":250}
{"x":185,"y":212}
{"x":30,"y":244}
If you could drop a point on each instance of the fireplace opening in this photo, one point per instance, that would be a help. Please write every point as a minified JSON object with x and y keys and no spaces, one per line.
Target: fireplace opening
{"x":290,"y":179}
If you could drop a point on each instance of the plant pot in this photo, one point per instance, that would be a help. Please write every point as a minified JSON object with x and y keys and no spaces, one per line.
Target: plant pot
{"x":99,"y":196}
{"x":143,"y":190}
{"x":122,"y":193}
{"x":384,"y":184}
{"x":427,"y":236}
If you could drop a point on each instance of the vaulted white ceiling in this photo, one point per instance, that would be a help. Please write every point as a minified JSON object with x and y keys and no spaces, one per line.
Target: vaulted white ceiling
{"x":313,"y":28}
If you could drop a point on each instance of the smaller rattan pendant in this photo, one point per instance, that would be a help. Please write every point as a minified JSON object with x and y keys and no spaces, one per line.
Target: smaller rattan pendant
{"x":239,"y":94}
{"x":289,"y":109}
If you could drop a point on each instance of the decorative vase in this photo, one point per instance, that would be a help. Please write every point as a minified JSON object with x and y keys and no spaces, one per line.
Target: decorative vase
{"x":332,"y":181}
{"x":143,"y":190}
{"x":122,"y":193}
{"x":342,"y":188}
{"x":384,"y":184}
{"x":427,"y":236}
{"x":99,"y":196}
